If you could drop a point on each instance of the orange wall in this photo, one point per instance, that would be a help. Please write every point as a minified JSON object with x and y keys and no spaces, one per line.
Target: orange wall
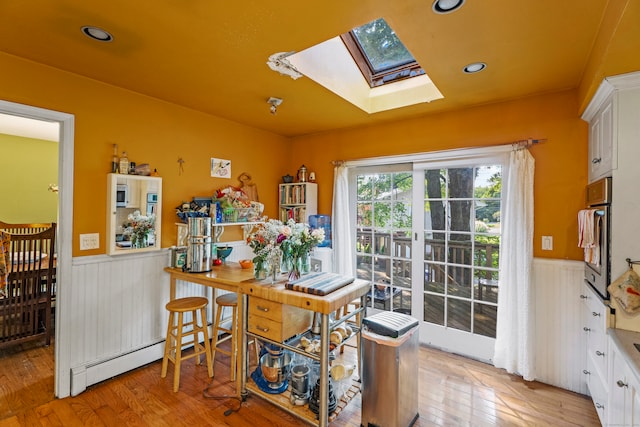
{"x":560,"y":176}
{"x":151,"y":131}
{"x":159,"y":133}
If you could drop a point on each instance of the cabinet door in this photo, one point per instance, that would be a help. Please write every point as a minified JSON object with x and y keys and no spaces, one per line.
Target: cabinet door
{"x":595,"y":147}
{"x":601,"y":143}
{"x":618,"y":391}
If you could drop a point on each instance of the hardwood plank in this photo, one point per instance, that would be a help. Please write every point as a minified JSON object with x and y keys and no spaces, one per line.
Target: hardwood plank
{"x":453,"y":390}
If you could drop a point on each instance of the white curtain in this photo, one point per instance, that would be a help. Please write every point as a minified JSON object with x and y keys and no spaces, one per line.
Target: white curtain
{"x":515,"y":324}
{"x":341,"y":227}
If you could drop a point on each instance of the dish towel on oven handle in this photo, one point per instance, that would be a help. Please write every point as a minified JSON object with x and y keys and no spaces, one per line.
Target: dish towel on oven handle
{"x":589,"y":235}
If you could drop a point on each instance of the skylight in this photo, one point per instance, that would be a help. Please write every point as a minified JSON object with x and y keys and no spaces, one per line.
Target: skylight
{"x":379,"y":53}
{"x":392,"y":76}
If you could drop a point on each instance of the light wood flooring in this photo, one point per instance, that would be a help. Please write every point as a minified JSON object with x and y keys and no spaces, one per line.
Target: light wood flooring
{"x":453,"y":391}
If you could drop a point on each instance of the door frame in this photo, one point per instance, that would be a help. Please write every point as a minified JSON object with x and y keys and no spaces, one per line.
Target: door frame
{"x":64,"y":240}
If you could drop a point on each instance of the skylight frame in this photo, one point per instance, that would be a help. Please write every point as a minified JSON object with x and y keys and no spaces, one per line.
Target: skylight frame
{"x":378,"y":78}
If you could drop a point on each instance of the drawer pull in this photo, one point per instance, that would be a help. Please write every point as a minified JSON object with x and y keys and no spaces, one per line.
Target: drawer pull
{"x":621,"y":383}
{"x":261,"y":308}
{"x":262,"y":329}
{"x":595,"y":314}
{"x":599,"y":405}
{"x":583,"y":297}
{"x":599,"y":353}
{"x":586,"y":329}
{"x":586,"y":372}
{"x":596,"y":160}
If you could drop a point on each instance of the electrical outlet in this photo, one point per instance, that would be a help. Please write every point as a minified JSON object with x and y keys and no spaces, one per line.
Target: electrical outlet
{"x":89,"y":241}
{"x":547,"y":243}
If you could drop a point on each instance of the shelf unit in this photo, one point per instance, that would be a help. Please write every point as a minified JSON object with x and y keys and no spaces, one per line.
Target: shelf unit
{"x":297,"y":201}
{"x":282,"y":400}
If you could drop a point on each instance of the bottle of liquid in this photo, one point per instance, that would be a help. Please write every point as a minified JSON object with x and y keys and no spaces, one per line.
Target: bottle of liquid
{"x":124,"y":163}
{"x":114,"y":159}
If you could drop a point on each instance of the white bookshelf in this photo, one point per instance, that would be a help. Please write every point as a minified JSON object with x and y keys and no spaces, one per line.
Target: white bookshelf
{"x":297,"y":201}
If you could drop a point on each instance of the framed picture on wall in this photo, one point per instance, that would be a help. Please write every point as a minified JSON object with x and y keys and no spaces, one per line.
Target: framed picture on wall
{"x":220,"y":168}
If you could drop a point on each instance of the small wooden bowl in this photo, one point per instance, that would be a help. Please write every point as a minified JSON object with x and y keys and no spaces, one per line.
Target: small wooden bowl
{"x":246,"y":263}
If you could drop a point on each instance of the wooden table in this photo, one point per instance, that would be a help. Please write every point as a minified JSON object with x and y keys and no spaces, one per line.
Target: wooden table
{"x":231,"y":277}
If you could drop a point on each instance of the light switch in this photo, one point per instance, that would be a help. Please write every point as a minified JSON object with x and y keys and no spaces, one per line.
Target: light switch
{"x":547,"y":243}
{"x":89,"y":241}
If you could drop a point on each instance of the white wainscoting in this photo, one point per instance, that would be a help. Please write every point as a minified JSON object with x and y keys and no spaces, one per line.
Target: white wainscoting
{"x":117,"y":319}
{"x":560,"y":342}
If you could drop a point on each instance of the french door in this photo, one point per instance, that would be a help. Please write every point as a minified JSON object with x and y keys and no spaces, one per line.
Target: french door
{"x":428,"y":241}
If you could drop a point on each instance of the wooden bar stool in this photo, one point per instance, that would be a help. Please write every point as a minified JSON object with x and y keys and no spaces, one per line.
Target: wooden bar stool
{"x":175,"y":333}
{"x":226,"y":300}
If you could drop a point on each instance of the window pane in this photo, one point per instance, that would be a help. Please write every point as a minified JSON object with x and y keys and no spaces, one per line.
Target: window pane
{"x":402,"y":244}
{"x":459,"y":314}
{"x":381,"y":243}
{"x":364,"y":187}
{"x":381,"y":186}
{"x":434,"y":183}
{"x":434,"y":215}
{"x":382,"y":270}
{"x":484,"y":320}
{"x":364,"y":267}
{"x":487,"y":216}
{"x":434,"y":277}
{"x":488,"y":182}
{"x":364,"y":217}
{"x":363,"y":242}
{"x":434,"y":247}
{"x":402,"y":273}
{"x":459,"y":281}
{"x":381,"y":46}
{"x":459,"y":249}
{"x":402,"y":302}
{"x":487,"y":251}
{"x":402,"y":215}
{"x":460,"y":215}
{"x":434,"y":309}
{"x":403,"y":184}
{"x":486,"y":286}
{"x":382,"y":214}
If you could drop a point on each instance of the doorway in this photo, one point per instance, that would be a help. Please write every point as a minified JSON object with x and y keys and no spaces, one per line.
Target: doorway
{"x":65,"y":211}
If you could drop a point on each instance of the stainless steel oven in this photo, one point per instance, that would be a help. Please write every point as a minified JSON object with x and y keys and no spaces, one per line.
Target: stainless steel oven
{"x":597,"y":271}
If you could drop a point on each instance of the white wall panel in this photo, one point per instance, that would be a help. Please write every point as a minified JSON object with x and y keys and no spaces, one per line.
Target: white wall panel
{"x":560,"y":343}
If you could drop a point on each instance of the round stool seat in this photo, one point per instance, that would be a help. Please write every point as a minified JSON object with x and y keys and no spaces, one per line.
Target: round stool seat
{"x":186,"y":304}
{"x":227,"y":300}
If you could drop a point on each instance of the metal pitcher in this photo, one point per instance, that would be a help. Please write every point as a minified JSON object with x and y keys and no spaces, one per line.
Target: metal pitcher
{"x":199,"y":245}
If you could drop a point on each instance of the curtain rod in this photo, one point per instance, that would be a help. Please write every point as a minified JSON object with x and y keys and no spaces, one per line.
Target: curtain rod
{"x":522,"y":143}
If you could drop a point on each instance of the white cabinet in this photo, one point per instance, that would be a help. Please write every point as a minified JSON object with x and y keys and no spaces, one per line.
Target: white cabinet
{"x":297,"y":201}
{"x":602,"y":147}
{"x":595,"y":322}
{"x":141,"y":193}
{"x":624,"y":396}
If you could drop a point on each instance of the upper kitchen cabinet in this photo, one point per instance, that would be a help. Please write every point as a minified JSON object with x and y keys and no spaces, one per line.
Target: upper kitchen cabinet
{"x":602,"y":149}
{"x":134,"y":213}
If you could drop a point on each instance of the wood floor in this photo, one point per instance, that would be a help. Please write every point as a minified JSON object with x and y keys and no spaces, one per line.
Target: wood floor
{"x":453,"y":391}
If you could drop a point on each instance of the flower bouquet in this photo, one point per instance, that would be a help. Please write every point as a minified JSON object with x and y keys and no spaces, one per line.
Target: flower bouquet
{"x":279,"y":246}
{"x":138,"y":227}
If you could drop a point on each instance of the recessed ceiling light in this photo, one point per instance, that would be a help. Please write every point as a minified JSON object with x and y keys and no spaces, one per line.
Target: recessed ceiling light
{"x":474,"y":67}
{"x":446,"y":6}
{"x":97,"y":33}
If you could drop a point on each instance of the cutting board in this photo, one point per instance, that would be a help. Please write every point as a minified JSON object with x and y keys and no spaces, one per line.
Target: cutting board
{"x":319,"y":283}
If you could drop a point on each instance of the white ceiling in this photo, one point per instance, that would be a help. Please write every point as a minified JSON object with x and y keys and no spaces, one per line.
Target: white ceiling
{"x":29,"y":128}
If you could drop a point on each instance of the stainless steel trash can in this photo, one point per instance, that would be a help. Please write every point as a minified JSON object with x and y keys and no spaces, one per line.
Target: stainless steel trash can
{"x":389,"y":370}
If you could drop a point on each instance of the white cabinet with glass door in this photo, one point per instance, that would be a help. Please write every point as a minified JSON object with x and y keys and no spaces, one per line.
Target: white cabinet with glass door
{"x":134,"y":213}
